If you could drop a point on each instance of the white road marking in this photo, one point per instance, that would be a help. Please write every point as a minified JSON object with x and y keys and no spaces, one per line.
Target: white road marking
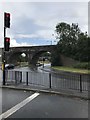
{"x":18,"y":106}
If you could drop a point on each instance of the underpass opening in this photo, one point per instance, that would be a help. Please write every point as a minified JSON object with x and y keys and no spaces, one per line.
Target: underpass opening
{"x":18,"y":58}
{"x":41,"y":57}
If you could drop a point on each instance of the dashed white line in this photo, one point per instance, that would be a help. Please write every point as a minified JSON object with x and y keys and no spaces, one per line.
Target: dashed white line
{"x":18,"y":106}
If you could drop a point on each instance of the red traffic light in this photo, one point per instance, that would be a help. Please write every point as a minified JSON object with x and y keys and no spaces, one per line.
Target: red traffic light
{"x":7,"y":14}
{"x":7,"y":39}
{"x":7,"y":20}
{"x":7,"y":44}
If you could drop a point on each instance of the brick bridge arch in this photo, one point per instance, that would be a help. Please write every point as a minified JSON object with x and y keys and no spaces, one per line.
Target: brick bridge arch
{"x":32,"y":53}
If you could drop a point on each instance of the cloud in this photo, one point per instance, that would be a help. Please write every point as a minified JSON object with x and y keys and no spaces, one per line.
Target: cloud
{"x":45,"y":1}
{"x":13,"y":43}
{"x":38,"y":19}
{"x":26,"y":36}
{"x":46,"y":34}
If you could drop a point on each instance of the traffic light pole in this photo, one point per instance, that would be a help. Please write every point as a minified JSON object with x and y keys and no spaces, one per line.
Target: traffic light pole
{"x":6,"y":25}
{"x":4,"y":57}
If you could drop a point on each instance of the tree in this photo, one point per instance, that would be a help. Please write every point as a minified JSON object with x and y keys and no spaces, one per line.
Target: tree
{"x":72,"y":42}
{"x":83,"y":49}
{"x":55,"y":58}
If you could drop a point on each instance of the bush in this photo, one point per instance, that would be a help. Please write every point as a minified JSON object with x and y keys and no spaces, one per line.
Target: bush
{"x":84,"y":65}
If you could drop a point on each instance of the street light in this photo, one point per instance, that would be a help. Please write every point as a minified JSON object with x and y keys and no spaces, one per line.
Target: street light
{"x":55,"y":40}
{"x":50,"y":42}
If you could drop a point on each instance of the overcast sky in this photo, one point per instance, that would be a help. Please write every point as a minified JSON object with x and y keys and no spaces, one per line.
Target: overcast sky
{"x":33,"y":23}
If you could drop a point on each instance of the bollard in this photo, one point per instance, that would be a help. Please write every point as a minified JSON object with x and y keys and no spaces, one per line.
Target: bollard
{"x":80,"y":83}
{"x":49,"y":80}
{"x":26,"y":78}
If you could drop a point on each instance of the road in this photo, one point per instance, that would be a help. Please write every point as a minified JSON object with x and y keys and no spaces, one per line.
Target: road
{"x":41,"y":106}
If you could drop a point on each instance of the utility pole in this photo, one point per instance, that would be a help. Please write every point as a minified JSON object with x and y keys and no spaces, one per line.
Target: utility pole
{"x":4,"y":57}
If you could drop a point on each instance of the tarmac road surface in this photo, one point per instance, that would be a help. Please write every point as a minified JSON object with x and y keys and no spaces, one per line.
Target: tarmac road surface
{"x":27,"y":104}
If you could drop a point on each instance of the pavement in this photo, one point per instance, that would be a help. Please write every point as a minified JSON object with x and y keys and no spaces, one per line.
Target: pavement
{"x":69,"y":93}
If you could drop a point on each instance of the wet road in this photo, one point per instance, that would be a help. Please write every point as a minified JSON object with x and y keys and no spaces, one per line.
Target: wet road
{"x":43,"y":106}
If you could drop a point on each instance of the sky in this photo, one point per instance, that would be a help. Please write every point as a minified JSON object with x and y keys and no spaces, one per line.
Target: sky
{"x":33,"y":23}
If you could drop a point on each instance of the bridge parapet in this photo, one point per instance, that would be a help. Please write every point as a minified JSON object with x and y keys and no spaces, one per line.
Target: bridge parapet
{"x":32,"y":53}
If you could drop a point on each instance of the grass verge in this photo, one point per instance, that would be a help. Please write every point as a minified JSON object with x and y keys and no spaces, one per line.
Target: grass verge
{"x":71,"y":69}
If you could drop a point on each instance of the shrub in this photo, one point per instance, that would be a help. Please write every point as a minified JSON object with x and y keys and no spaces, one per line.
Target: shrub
{"x":84,"y":65}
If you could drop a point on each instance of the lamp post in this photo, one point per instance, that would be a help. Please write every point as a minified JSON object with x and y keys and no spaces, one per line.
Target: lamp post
{"x":55,"y":40}
{"x":50,"y":42}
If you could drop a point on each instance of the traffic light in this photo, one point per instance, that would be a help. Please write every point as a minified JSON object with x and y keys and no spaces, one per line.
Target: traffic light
{"x":7,"y":20}
{"x":7,"y":43}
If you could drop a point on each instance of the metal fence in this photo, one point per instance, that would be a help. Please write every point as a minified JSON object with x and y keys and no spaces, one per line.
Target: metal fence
{"x":13,"y":77}
{"x":67,"y":81}
{"x":70,"y":81}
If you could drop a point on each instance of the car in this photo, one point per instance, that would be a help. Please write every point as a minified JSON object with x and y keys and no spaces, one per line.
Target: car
{"x":9,"y":66}
{"x":39,"y":64}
